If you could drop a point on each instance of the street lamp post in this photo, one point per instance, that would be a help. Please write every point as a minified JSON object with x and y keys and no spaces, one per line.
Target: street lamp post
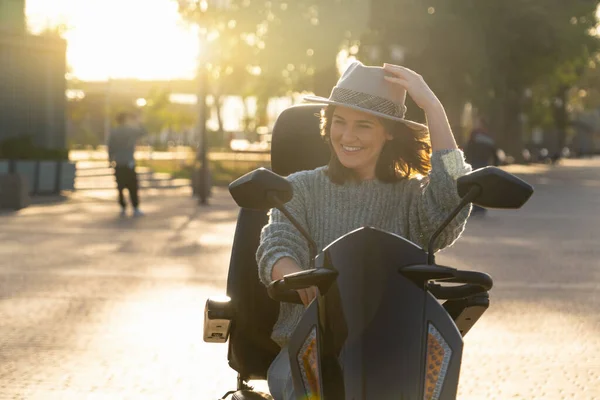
{"x":202,"y":184}
{"x":207,"y":8}
{"x":107,"y":121}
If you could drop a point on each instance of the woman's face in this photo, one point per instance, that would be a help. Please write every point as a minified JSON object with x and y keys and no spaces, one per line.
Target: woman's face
{"x":357,"y":139}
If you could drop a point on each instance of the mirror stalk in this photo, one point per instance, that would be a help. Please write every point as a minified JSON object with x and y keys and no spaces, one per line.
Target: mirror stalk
{"x":473,"y":192}
{"x":312,"y":246}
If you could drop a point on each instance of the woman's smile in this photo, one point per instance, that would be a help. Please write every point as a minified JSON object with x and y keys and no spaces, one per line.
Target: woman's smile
{"x":351,"y":149}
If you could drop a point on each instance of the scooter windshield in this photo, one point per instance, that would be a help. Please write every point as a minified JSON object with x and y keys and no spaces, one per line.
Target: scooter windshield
{"x":375,"y":334}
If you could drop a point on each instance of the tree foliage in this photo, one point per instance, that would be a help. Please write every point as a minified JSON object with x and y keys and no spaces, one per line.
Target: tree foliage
{"x":276,"y":46}
{"x":509,"y":58}
{"x":494,"y":53}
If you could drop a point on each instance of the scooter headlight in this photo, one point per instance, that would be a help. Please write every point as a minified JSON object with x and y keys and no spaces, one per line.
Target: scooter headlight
{"x":308,"y":360}
{"x":438,"y":358}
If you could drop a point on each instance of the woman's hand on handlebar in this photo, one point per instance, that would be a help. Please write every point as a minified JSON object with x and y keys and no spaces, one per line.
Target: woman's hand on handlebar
{"x":287,"y":265}
{"x":307,"y":295}
{"x":284,"y":266}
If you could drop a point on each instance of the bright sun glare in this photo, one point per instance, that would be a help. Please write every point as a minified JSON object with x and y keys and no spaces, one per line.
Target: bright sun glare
{"x":143,"y":39}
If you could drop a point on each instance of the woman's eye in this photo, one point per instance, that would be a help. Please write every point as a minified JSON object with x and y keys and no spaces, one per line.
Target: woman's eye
{"x":338,"y":122}
{"x":364,"y":126}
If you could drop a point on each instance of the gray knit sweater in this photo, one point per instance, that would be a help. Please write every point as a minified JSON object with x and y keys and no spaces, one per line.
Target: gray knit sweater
{"x":411,"y":208}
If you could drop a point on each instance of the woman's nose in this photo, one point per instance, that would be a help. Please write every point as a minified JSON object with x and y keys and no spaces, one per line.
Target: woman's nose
{"x":349,"y":134}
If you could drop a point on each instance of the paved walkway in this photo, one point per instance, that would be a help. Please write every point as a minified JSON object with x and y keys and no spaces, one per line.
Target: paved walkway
{"x":98,"y":307}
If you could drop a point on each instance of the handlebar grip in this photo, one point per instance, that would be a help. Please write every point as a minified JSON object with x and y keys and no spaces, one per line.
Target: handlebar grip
{"x":454,"y":292}
{"x":472,"y":283}
{"x":472,"y":278}
{"x":278,"y":291}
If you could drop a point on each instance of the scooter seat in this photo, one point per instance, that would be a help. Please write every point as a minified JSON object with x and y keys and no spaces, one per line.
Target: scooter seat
{"x":250,"y":395}
{"x":296,"y":146}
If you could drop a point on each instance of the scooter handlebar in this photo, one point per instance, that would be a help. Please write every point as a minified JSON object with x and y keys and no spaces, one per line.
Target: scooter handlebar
{"x":454,"y":292}
{"x":473,"y":282}
{"x":285,"y":289}
{"x":475,"y":278}
{"x":279,"y":291}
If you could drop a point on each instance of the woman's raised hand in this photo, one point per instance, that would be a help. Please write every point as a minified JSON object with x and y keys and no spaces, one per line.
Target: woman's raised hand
{"x":415,"y":85}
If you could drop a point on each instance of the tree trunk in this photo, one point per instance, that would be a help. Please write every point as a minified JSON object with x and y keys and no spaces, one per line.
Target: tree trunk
{"x":262,"y":117}
{"x":511,"y":137}
{"x":561,"y":118}
{"x":218,"y":105}
{"x":246,"y":117}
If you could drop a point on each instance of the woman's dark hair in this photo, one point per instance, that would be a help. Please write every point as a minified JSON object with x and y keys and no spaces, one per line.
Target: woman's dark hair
{"x":408,"y":152}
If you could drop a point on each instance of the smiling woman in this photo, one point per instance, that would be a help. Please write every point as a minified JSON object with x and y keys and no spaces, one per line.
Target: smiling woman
{"x":373,"y":147}
{"x":120,"y":39}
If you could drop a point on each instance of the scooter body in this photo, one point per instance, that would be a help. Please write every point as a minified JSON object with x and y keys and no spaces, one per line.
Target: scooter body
{"x":375,"y":334}
{"x":377,"y":329}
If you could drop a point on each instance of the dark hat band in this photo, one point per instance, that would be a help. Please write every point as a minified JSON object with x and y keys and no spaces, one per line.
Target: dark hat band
{"x":367,"y":101}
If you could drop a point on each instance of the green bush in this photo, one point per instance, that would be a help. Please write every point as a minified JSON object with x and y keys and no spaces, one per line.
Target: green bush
{"x":23,"y":148}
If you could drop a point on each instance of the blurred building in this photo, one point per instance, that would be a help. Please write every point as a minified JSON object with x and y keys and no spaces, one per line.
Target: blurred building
{"x":32,"y":80}
{"x":12,"y":15}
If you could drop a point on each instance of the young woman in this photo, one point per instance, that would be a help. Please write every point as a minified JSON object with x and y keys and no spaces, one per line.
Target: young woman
{"x":385,"y":171}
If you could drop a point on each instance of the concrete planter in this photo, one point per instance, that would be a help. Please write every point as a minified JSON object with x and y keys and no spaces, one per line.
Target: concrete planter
{"x":46,"y":177}
{"x":28,"y":170}
{"x":67,"y":176}
{"x":42,"y":177}
{"x":13,"y":192}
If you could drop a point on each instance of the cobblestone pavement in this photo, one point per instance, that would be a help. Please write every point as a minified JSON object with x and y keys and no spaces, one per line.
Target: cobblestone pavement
{"x":98,"y":307}
{"x":540,"y":338}
{"x":93,"y":306}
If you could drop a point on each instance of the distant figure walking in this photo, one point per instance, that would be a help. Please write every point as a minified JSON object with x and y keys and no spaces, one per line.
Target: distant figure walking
{"x":121,"y":149}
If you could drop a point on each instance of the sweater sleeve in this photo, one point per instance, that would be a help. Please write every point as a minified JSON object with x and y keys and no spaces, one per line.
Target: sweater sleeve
{"x":431,"y":199}
{"x":279,"y":238}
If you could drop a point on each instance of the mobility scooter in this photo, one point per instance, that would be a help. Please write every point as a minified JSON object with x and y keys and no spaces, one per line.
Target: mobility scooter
{"x":392,"y":333}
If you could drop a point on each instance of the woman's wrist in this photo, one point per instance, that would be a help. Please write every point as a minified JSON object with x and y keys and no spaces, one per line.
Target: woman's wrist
{"x":284,"y":266}
{"x":434,"y":110}
{"x":439,"y":128}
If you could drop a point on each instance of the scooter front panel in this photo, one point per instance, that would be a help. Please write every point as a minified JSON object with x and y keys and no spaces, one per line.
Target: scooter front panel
{"x":374,"y":321}
{"x":443,"y":353}
{"x":304,"y":352}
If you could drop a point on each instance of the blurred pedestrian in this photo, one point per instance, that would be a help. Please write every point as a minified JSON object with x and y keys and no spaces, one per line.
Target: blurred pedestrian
{"x":481,"y":151}
{"x":121,"y":154}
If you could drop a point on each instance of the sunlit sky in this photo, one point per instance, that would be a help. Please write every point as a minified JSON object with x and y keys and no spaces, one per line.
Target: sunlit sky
{"x":143,"y":39}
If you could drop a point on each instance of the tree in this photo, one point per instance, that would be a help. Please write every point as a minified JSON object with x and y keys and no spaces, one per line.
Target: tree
{"x":547,"y":43}
{"x":271,"y":48}
{"x":160,"y":113}
{"x":491,"y":53}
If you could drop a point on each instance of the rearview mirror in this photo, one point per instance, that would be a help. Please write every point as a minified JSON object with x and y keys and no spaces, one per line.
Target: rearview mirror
{"x":498,"y":188}
{"x":255,"y":189}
